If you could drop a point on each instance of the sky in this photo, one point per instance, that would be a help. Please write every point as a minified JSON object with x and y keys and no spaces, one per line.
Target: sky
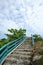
{"x":26,"y":14}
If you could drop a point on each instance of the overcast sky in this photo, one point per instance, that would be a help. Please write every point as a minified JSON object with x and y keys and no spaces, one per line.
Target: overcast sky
{"x":22,"y":14}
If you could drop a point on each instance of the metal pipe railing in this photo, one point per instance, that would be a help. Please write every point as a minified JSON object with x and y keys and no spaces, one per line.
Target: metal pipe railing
{"x":6,"y":49}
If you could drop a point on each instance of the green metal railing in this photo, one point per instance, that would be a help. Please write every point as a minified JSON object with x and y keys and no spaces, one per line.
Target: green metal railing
{"x":32,"y":38}
{"x":6,"y":49}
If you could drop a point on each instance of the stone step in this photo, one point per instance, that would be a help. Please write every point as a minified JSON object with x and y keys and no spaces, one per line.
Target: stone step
{"x":19,"y":56}
{"x":16,"y":62}
{"x":25,"y":62}
{"x":26,"y":50}
{"x":7,"y":63}
{"x":25,"y":47}
{"x":26,"y":41}
{"x":22,"y":53}
{"x":11,"y":59}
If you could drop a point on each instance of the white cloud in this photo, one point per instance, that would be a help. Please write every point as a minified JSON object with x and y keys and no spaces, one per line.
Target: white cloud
{"x":7,"y":24}
{"x":22,"y":13}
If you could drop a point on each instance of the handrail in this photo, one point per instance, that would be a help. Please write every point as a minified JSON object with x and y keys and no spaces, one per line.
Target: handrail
{"x":6,"y":49}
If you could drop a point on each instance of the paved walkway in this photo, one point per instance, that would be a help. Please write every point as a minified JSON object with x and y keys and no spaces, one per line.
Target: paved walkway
{"x":22,"y":54}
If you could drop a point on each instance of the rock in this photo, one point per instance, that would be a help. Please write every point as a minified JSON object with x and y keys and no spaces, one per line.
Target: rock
{"x":37,"y":57}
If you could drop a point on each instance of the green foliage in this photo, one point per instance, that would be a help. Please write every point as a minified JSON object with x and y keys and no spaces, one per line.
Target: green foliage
{"x":37,"y":37}
{"x":15,"y":34}
{"x":3,"y":42}
{"x":41,"y":52}
{"x":38,"y":42}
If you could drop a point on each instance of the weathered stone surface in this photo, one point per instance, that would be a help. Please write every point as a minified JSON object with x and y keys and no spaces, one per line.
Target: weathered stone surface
{"x":37,"y":57}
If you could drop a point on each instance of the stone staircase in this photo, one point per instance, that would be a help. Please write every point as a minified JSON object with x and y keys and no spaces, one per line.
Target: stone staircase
{"x":22,"y":54}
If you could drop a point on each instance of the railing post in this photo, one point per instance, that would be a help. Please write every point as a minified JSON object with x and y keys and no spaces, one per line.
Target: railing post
{"x":32,"y":39}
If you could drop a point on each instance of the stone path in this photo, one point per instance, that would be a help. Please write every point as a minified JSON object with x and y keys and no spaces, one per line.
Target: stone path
{"x":22,"y":54}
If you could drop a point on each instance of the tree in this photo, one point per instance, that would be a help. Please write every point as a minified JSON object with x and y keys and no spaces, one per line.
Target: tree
{"x":37,"y":37}
{"x":15,"y":34}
